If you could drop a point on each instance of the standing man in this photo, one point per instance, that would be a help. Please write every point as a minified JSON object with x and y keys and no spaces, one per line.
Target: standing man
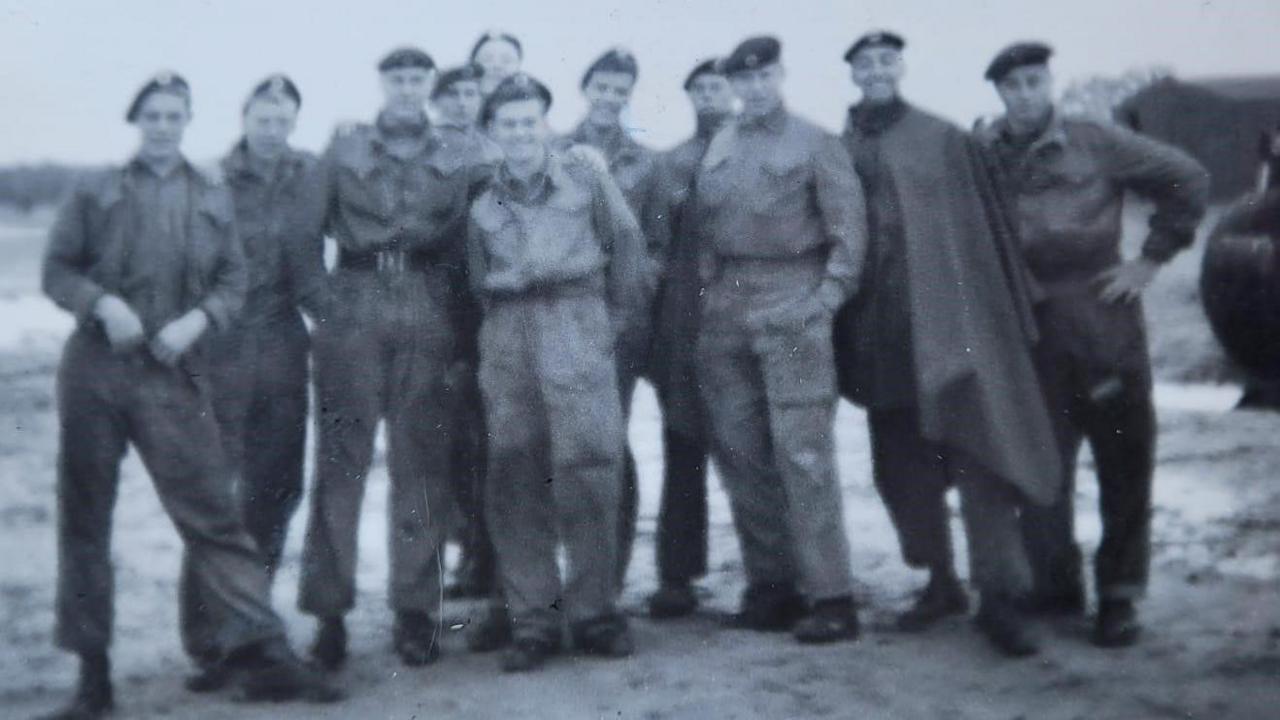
{"x":682,"y":517}
{"x":457,"y":100}
{"x":1068,"y":178}
{"x":784,"y":246}
{"x":607,"y":85}
{"x":147,"y":258}
{"x":938,"y":347}
{"x":557,"y":259}
{"x":395,"y":202}
{"x":259,"y":365}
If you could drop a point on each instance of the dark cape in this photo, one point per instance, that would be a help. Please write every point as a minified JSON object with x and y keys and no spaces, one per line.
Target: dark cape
{"x":970,"y":308}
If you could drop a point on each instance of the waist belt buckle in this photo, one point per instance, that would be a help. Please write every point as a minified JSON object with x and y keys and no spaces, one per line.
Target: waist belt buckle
{"x":390,"y":261}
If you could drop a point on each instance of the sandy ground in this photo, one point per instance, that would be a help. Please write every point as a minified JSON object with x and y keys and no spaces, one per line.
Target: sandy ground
{"x":1213,"y":649}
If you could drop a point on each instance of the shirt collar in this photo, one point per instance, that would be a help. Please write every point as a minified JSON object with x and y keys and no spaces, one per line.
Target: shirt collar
{"x":614,"y":141}
{"x":1054,"y":135}
{"x":239,"y":164}
{"x":141,"y":164}
{"x":875,"y":118}
{"x":385,"y":130}
{"x":773,"y":122}
{"x":533,"y":191}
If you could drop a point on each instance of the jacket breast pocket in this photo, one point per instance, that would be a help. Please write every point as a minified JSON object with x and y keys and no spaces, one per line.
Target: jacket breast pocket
{"x":715,"y":185}
{"x":785,"y":187}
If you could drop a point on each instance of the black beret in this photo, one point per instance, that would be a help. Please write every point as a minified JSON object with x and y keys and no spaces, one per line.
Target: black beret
{"x":1015,"y":56}
{"x":752,"y":53}
{"x":500,"y":36}
{"x":616,"y":60}
{"x":514,"y":89}
{"x":706,"y":67}
{"x":453,"y":76}
{"x":406,"y":57}
{"x":275,"y":87}
{"x":880,"y":38}
{"x":169,"y":82}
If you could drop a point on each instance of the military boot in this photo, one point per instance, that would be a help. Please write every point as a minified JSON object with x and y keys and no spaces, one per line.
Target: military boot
{"x":329,"y":650}
{"x":1117,"y":624}
{"x":999,"y":620}
{"x":416,"y":638}
{"x":94,"y":697}
{"x":942,"y":597}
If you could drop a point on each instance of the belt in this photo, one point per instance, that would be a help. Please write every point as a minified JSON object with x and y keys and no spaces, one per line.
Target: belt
{"x":386,"y":261}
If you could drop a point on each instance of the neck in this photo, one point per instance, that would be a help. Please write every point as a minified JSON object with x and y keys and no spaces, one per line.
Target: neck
{"x":603,"y":124}
{"x":263,"y":158}
{"x":162,"y":164}
{"x":1031,"y":127}
{"x":523,"y":169}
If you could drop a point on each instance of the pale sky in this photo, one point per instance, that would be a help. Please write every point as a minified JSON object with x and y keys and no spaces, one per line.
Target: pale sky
{"x":70,"y":67}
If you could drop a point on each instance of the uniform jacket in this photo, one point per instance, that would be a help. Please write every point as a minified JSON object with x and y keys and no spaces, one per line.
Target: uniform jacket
{"x":89,"y":244}
{"x":672,"y":364}
{"x":576,"y":233}
{"x":373,"y":201}
{"x":286,"y":267}
{"x":1067,"y":189}
{"x":969,"y":307}
{"x":635,"y":168}
{"x":780,"y":190}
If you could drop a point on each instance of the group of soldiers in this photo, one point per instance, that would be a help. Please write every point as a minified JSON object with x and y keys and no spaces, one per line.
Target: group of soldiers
{"x":498,"y":291}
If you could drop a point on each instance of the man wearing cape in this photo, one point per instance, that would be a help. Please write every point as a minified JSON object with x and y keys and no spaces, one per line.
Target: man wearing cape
{"x":938,"y":348}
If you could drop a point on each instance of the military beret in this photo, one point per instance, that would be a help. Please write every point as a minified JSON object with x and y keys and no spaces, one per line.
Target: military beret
{"x":500,"y":37}
{"x":706,"y":67}
{"x":514,"y":89}
{"x":618,"y":60}
{"x":406,"y":57}
{"x":1016,"y":56}
{"x":276,"y":87}
{"x":752,"y":53}
{"x":453,"y":76}
{"x":165,"y":81}
{"x":880,"y":38}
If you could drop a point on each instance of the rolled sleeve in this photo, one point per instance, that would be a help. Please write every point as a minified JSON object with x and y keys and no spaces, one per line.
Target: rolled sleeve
{"x":1168,"y":177}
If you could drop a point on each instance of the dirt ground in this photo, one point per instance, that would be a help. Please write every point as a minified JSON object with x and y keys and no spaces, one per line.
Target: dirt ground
{"x":1213,"y":615}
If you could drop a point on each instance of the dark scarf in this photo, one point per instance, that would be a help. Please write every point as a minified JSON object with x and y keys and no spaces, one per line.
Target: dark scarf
{"x":710,"y":123}
{"x":875,"y":118}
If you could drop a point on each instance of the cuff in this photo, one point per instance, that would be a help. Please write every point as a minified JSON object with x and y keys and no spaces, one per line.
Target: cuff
{"x":1162,"y":245}
{"x":85,"y":302}
{"x":219,"y":317}
{"x":830,"y":295}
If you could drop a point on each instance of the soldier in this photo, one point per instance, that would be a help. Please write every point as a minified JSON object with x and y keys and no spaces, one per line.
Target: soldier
{"x":499,"y":55}
{"x":682,"y":517}
{"x":938,"y":347}
{"x":784,"y":246}
{"x":457,"y":99}
{"x":395,"y":202}
{"x":607,"y":85}
{"x":147,"y":258}
{"x":259,"y":366}
{"x":557,"y":259}
{"x":1067,"y":178}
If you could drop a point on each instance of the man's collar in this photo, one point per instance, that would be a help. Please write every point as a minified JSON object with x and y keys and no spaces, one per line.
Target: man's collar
{"x":875,"y":118}
{"x":238,"y":163}
{"x":139,"y":162}
{"x":533,"y":191}
{"x":386,"y":129}
{"x":1054,"y":134}
{"x":774,"y":121}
